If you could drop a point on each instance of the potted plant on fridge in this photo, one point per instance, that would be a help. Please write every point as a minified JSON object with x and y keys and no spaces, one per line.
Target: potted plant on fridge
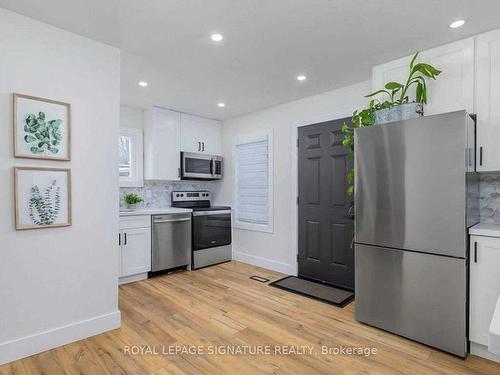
{"x":395,"y":107}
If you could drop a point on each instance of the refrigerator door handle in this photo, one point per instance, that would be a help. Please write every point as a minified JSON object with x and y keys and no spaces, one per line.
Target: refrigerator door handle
{"x":475,"y":252}
{"x":481,"y":156}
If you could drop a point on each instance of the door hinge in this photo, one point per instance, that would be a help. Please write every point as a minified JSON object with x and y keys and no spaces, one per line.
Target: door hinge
{"x":297,"y":142}
{"x":297,"y":257}
{"x":297,"y":201}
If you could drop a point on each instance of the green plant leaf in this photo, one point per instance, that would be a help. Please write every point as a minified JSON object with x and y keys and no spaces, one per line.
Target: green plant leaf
{"x":29,"y":138}
{"x":350,"y":176}
{"x":412,"y":62}
{"x":378,"y":92}
{"x":30,"y":120}
{"x":35,"y":150}
{"x":393,"y":85}
{"x":55,"y":123}
{"x":433,"y":71}
{"x":419,"y":92}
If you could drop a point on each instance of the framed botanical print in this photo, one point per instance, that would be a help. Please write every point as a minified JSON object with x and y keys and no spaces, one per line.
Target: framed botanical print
{"x":42,"y":128}
{"x":42,"y":197}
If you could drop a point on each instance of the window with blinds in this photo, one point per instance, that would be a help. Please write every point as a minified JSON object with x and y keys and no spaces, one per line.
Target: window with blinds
{"x":253,"y":184}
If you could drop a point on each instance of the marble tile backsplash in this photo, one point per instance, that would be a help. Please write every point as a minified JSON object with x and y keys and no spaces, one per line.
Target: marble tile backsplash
{"x":489,"y":198}
{"x":158,"y":194}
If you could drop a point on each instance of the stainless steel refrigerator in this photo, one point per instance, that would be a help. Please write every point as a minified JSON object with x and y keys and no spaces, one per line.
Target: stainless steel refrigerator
{"x":416,"y":193}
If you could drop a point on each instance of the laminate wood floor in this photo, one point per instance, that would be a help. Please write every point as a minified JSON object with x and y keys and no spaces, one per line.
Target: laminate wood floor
{"x":220,"y":308}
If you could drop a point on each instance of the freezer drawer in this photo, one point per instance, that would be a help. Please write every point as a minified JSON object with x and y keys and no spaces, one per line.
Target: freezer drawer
{"x":415,"y":295}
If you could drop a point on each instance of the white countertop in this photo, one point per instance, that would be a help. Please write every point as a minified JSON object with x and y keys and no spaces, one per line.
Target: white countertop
{"x":483,"y":229}
{"x":155,"y":211}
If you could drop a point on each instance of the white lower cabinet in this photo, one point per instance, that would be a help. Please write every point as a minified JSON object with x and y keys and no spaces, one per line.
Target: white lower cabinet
{"x":484,"y":287}
{"x":135,"y":248}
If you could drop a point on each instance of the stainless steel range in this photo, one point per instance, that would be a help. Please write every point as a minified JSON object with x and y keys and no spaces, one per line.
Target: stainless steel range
{"x":211,"y":227}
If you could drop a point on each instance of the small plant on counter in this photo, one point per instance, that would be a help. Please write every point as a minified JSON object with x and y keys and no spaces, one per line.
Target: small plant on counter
{"x":398,"y":94}
{"x":132,"y":199}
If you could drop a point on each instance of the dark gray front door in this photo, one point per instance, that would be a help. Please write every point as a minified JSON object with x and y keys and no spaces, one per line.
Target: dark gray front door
{"x":325,"y":221}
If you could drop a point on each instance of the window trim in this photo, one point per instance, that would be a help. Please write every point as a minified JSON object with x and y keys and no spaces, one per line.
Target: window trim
{"x":138,"y":158}
{"x":249,"y":138}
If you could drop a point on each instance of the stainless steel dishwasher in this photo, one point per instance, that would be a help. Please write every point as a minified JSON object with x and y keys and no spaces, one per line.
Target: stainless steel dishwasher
{"x":171,"y":242}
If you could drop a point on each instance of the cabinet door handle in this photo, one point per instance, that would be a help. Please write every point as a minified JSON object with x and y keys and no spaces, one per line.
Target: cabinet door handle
{"x":475,"y":252}
{"x":481,"y":155}
{"x":119,"y":239}
{"x":199,"y":146}
{"x":125,"y":238}
{"x":203,"y":148}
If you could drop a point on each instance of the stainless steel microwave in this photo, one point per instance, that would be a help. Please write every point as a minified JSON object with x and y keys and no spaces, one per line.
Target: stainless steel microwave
{"x":196,"y":166}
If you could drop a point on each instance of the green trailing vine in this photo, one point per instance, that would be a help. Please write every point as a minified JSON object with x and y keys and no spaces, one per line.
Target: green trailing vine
{"x":41,"y":135}
{"x":44,"y":209}
{"x":397,"y":94}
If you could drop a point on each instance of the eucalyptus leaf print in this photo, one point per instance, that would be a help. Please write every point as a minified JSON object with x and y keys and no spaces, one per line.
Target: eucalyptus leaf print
{"x":44,"y":208}
{"x":42,"y":136}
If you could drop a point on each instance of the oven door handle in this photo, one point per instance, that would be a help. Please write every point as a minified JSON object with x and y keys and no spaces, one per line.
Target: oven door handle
{"x":209,"y":213}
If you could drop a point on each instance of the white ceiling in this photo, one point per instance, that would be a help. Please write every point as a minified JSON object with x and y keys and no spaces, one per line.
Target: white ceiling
{"x":267,"y":43}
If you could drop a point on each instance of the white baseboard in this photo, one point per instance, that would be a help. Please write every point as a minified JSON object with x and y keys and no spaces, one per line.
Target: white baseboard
{"x":269,"y":264}
{"x":482,"y":351}
{"x":133,"y":278}
{"x":40,"y":342}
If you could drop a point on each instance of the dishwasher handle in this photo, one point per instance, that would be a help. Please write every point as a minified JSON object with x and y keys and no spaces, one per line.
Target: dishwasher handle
{"x":171,"y":220}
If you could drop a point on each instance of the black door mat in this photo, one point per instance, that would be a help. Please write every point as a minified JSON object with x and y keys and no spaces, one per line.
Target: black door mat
{"x":318,"y":291}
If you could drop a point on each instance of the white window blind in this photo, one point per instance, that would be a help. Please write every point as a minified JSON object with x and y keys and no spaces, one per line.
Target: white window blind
{"x":252,"y":182}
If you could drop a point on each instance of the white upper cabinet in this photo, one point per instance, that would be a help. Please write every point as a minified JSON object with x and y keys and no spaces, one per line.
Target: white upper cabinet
{"x":488,"y":101}
{"x":454,"y":88}
{"x":200,"y":134}
{"x":162,"y":131}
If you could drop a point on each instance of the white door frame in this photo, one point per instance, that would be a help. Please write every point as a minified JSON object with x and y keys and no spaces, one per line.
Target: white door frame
{"x":294,"y":246}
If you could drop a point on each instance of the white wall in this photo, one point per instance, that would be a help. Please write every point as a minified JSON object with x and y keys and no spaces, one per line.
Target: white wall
{"x":277,"y":250}
{"x":60,"y":285}
{"x":131,"y":117}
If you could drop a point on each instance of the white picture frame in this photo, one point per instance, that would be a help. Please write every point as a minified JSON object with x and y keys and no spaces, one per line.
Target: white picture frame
{"x":42,"y":197}
{"x":42,"y":128}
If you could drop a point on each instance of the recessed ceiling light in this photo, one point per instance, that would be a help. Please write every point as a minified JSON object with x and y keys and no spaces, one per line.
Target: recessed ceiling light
{"x":143,"y":83}
{"x":217,"y":37}
{"x":457,"y":23}
{"x":221,"y":105}
{"x":301,"y":77}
